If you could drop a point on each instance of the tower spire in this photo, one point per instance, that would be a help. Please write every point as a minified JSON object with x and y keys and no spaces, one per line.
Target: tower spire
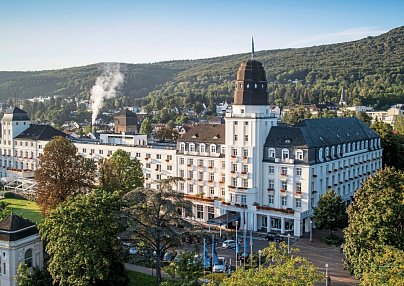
{"x":252,"y":47}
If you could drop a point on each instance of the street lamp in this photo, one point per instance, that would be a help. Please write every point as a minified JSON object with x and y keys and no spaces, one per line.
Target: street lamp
{"x":311,"y":231}
{"x":288,"y":243}
{"x":259,"y":260}
{"x":236,"y":243}
{"x":327,"y":280}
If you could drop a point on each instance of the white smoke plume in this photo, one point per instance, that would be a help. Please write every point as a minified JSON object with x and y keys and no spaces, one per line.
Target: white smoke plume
{"x":105,"y":87}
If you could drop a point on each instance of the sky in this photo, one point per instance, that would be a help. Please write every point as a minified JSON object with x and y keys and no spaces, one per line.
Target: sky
{"x":53,"y":34}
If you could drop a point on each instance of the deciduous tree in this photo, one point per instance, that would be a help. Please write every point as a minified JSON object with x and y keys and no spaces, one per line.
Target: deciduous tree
{"x":330,"y":212}
{"x":185,"y":271}
{"x":153,"y":213}
{"x":120,"y":172}
{"x":81,"y":240}
{"x":286,"y":269}
{"x":61,"y":174}
{"x":376,"y":224}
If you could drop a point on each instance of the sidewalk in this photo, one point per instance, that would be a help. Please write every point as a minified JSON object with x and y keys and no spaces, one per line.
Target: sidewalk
{"x":321,"y":254}
{"x":145,"y":270}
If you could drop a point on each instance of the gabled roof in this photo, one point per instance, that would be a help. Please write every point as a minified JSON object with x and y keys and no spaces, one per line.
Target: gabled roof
{"x":320,"y":132}
{"x":40,"y":132}
{"x":205,"y":133}
{"x":14,"y":227}
{"x":16,"y":114}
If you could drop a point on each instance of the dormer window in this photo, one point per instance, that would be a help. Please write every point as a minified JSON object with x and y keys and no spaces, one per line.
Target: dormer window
{"x":182,"y":147}
{"x":255,"y":85}
{"x":320,"y":154}
{"x":202,"y":148}
{"x":299,"y":155}
{"x":327,"y":152}
{"x":332,"y":151}
{"x":213,"y":148}
{"x":339,"y":150}
{"x":248,"y":85}
{"x":271,"y":153}
{"x":192,"y":147}
{"x":285,"y":154}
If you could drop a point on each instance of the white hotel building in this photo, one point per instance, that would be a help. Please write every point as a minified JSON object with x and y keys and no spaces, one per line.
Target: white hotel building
{"x":267,"y":176}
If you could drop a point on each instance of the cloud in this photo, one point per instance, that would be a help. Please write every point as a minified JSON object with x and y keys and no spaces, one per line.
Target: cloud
{"x":351,"y":34}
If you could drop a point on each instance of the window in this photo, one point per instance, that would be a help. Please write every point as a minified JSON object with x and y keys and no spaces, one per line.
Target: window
{"x":284,"y":201}
{"x":298,"y":171}
{"x":211,"y":164}
{"x":169,"y":168}
{"x":192,"y":147}
{"x":212,"y":191}
{"x":200,"y":163}
{"x":148,"y":165}
{"x":246,"y":138}
{"x":28,"y":257}
{"x":270,"y":199}
{"x":244,"y":199}
{"x":211,"y":177}
{"x":235,"y":137}
{"x":181,"y":173}
{"x":191,"y":188}
{"x":284,"y":171}
{"x":271,"y":153}
{"x":234,"y":152}
{"x":298,"y":203}
{"x":100,"y":152}
{"x":190,"y":174}
{"x":234,"y":167}
{"x":245,"y":183}
{"x":245,"y":152}
{"x":182,"y":147}
{"x":332,"y":151}
{"x":299,"y":155}
{"x":211,"y":212}
{"x":284,"y":185}
{"x":285,"y":154}
{"x":271,"y":169}
{"x":327,"y":152}
{"x":320,"y":154}
{"x":338,"y":150}
{"x":271,"y":184}
{"x":299,"y":187}
{"x":181,"y":186}
{"x":199,"y":211}
{"x":234,"y":182}
{"x":182,"y":161}
{"x":213,"y":148}
{"x":245,"y":123}
{"x":245,"y":168}
{"x":202,"y":148}
{"x":158,"y":156}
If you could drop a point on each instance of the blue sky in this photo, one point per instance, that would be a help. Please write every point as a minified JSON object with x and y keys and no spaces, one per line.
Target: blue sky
{"x":50,"y":34}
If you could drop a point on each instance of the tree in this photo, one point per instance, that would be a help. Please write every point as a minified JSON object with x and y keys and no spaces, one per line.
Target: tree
{"x":392,"y":144}
{"x":61,"y":174}
{"x":296,"y":114}
{"x":185,"y":271}
{"x":81,"y":240}
{"x":375,"y":222}
{"x":330,"y":212}
{"x":286,"y":269}
{"x":145,"y":127}
{"x":399,"y":124}
{"x":120,"y":172}
{"x":32,"y":277}
{"x":152,"y":214}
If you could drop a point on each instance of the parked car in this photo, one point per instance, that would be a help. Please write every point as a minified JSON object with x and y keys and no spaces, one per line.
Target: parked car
{"x":133,"y":250}
{"x":273,"y":237}
{"x":168,"y":256}
{"x":229,"y":244}
{"x":220,"y":266}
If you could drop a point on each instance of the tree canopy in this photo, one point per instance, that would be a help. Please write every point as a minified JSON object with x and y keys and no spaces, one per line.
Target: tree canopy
{"x":81,"y":240}
{"x":286,"y":269}
{"x":374,"y":238}
{"x":61,"y":174}
{"x":152,"y":215}
{"x":330,"y":212}
{"x":120,"y":172}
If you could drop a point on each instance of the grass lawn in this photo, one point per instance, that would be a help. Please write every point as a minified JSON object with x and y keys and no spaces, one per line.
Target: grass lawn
{"x":140,"y":279}
{"x":26,"y":209}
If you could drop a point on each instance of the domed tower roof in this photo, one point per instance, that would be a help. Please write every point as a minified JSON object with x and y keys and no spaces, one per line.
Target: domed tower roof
{"x":251,"y":84}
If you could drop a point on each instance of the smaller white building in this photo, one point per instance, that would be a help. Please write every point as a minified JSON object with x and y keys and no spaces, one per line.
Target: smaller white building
{"x":19,"y":243}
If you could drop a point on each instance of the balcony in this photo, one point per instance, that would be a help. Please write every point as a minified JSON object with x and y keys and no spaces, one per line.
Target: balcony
{"x":283,"y":174}
{"x":266,"y":208}
{"x":298,"y":193}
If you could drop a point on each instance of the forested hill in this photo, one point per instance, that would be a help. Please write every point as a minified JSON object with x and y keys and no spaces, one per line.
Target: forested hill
{"x":371,"y":69}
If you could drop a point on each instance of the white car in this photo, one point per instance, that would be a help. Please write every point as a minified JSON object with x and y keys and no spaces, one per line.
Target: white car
{"x":229,"y":243}
{"x":220,"y":266}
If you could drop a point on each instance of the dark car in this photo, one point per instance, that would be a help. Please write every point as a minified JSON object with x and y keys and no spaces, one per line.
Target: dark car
{"x":273,"y":237}
{"x":169,"y":256}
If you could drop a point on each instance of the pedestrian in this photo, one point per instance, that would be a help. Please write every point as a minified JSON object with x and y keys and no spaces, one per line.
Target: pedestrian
{"x":228,"y":270}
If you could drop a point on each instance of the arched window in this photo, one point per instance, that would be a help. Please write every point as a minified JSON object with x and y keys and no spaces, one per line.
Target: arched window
{"x":327,"y":152}
{"x":333,"y":151}
{"x":349,"y":147}
{"x":271,"y":153}
{"x":192,"y":147}
{"x":339,"y":150}
{"x":320,"y":154}
{"x":28,"y":257}
{"x":285,"y":154}
{"x":343,"y":148}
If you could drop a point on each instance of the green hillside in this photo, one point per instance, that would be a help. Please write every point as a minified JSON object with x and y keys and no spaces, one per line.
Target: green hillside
{"x":371,"y":69}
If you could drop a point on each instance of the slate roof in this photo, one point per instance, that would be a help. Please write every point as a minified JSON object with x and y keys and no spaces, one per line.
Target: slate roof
{"x":17,"y":114}
{"x":205,"y":133}
{"x":14,"y":227}
{"x":40,"y":132}
{"x":312,"y":133}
